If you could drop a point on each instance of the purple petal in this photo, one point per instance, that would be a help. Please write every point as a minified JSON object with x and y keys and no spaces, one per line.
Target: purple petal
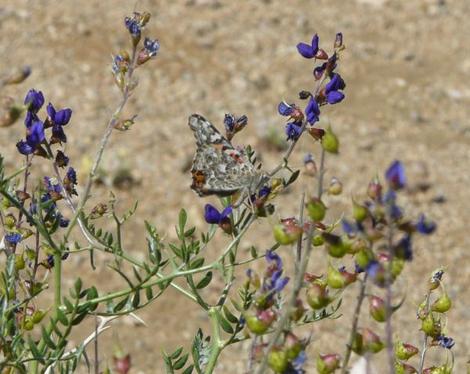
{"x":315,"y":41}
{"x":226,"y":212}
{"x":280,"y":284}
{"x":334,"y":97}
{"x":62,"y":117}
{"x":285,"y":109}
{"x":395,"y":175}
{"x":424,"y":226}
{"x":24,"y":148}
{"x":51,"y":111}
{"x":211,"y":214}
{"x":306,"y":50}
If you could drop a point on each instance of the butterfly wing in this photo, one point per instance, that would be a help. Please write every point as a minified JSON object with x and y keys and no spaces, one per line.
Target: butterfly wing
{"x":218,"y":168}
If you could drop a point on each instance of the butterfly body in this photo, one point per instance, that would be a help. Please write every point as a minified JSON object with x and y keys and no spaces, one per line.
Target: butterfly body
{"x":218,"y":167}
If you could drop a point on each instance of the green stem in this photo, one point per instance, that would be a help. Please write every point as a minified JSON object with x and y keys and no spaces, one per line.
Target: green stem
{"x":425,"y":339}
{"x":217,"y":344}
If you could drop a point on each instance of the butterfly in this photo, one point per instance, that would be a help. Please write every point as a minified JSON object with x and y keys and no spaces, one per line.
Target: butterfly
{"x":218,"y":167}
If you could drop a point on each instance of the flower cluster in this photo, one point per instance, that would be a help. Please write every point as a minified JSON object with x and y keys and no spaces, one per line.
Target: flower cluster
{"x":289,"y":356}
{"x":329,"y":93}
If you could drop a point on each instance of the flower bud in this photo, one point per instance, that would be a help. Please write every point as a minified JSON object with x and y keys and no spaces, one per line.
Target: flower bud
{"x":334,"y":278}
{"x":335,"y":245}
{"x":28,"y":325}
{"x":377,"y":309}
{"x":363,"y":257}
{"x":435,"y":279}
{"x":328,"y":363}
{"x":442,"y":304}
{"x":124,"y":124}
{"x":37,"y":316}
{"x":293,"y":346}
{"x":374,"y":190}
{"x":371,"y":341}
{"x":310,"y":165}
{"x":430,"y":326}
{"x":402,"y":368}
{"x":330,"y":141}
{"x":277,"y":360}
{"x":397,"y":267}
{"x":287,"y":232}
{"x":122,"y":363}
{"x":299,"y":310}
{"x":444,"y":369}
{"x":357,"y":345}
{"x":259,"y":324}
{"x":317,"y":296}
{"x":359,"y":211}
{"x":318,"y":240}
{"x":357,"y":245}
{"x":404,"y":351}
{"x":9,"y":221}
{"x":316,"y":210}
{"x":19,"y":262}
{"x":336,"y":187}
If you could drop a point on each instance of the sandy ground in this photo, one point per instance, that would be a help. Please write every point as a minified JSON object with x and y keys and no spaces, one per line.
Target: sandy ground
{"x":407,"y":67}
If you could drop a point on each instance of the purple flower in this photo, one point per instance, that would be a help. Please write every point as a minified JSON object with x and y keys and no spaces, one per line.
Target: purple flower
{"x":71,"y":175}
{"x":275,"y":282}
{"x":35,"y":136}
{"x":34,"y":100}
{"x":213,"y":216}
{"x":133,"y":26}
{"x":61,"y":117}
{"x":285,"y":109}
{"x":293,"y":130}
{"x":312,"y":111}
{"x":151,"y":47}
{"x":30,"y":118}
{"x":297,"y":364}
{"x":13,"y":238}
{"x":309,"y":51}
{"x":229,"y":122}
{"x":445,"y":341}
{"x":332,"y":89}
{"x":424,"y":226}
{"x":264,"y":191}
{"x":63,"y":222}
{"x":51,"y":187}
{"x":348,"y":227}
{"x":372,"y":268}
{"x":404,"y":249}
{"x":395,"y":175}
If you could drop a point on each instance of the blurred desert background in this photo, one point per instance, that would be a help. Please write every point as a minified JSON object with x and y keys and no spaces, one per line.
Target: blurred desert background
{"x":407,"y":70}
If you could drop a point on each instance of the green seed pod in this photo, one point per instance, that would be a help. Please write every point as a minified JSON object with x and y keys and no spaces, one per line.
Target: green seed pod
{"x":316,"y":210}
{"x":277,"y":361}
{"x":442,"y":304}
{"x":330,"y":141}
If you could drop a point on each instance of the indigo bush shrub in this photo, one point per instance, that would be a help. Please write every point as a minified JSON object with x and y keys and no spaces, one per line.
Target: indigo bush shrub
{"x":45,"y":223}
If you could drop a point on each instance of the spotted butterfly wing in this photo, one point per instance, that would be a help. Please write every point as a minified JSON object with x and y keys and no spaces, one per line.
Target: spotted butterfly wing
{"x":218,"y":168}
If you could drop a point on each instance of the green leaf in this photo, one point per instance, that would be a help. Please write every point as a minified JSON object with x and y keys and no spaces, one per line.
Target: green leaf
{"x":228,"y":314}
{"x":176,"y":353}
{"x":188,"y":370}
{"x":47,"y":339}
{"x":190,"y":232}
{"x":136,"y":274}
{"x":121,"y":304}
{"x":68,"y":305}
{"x":78,"y":286}
{"x":181,"y":362}
{"x":182,"y":219}
{"x":136,"y":300}
{"x":149,"y":293}
{"x":35,"y":351}
{"x":225,"y":325}
{"x":61,"y":317}
{"x":197,"y":263}
{"x":78,"y":319}
{"x":204,"y":282}
{"x":253,"y":252}
{"x":293,"y":177}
